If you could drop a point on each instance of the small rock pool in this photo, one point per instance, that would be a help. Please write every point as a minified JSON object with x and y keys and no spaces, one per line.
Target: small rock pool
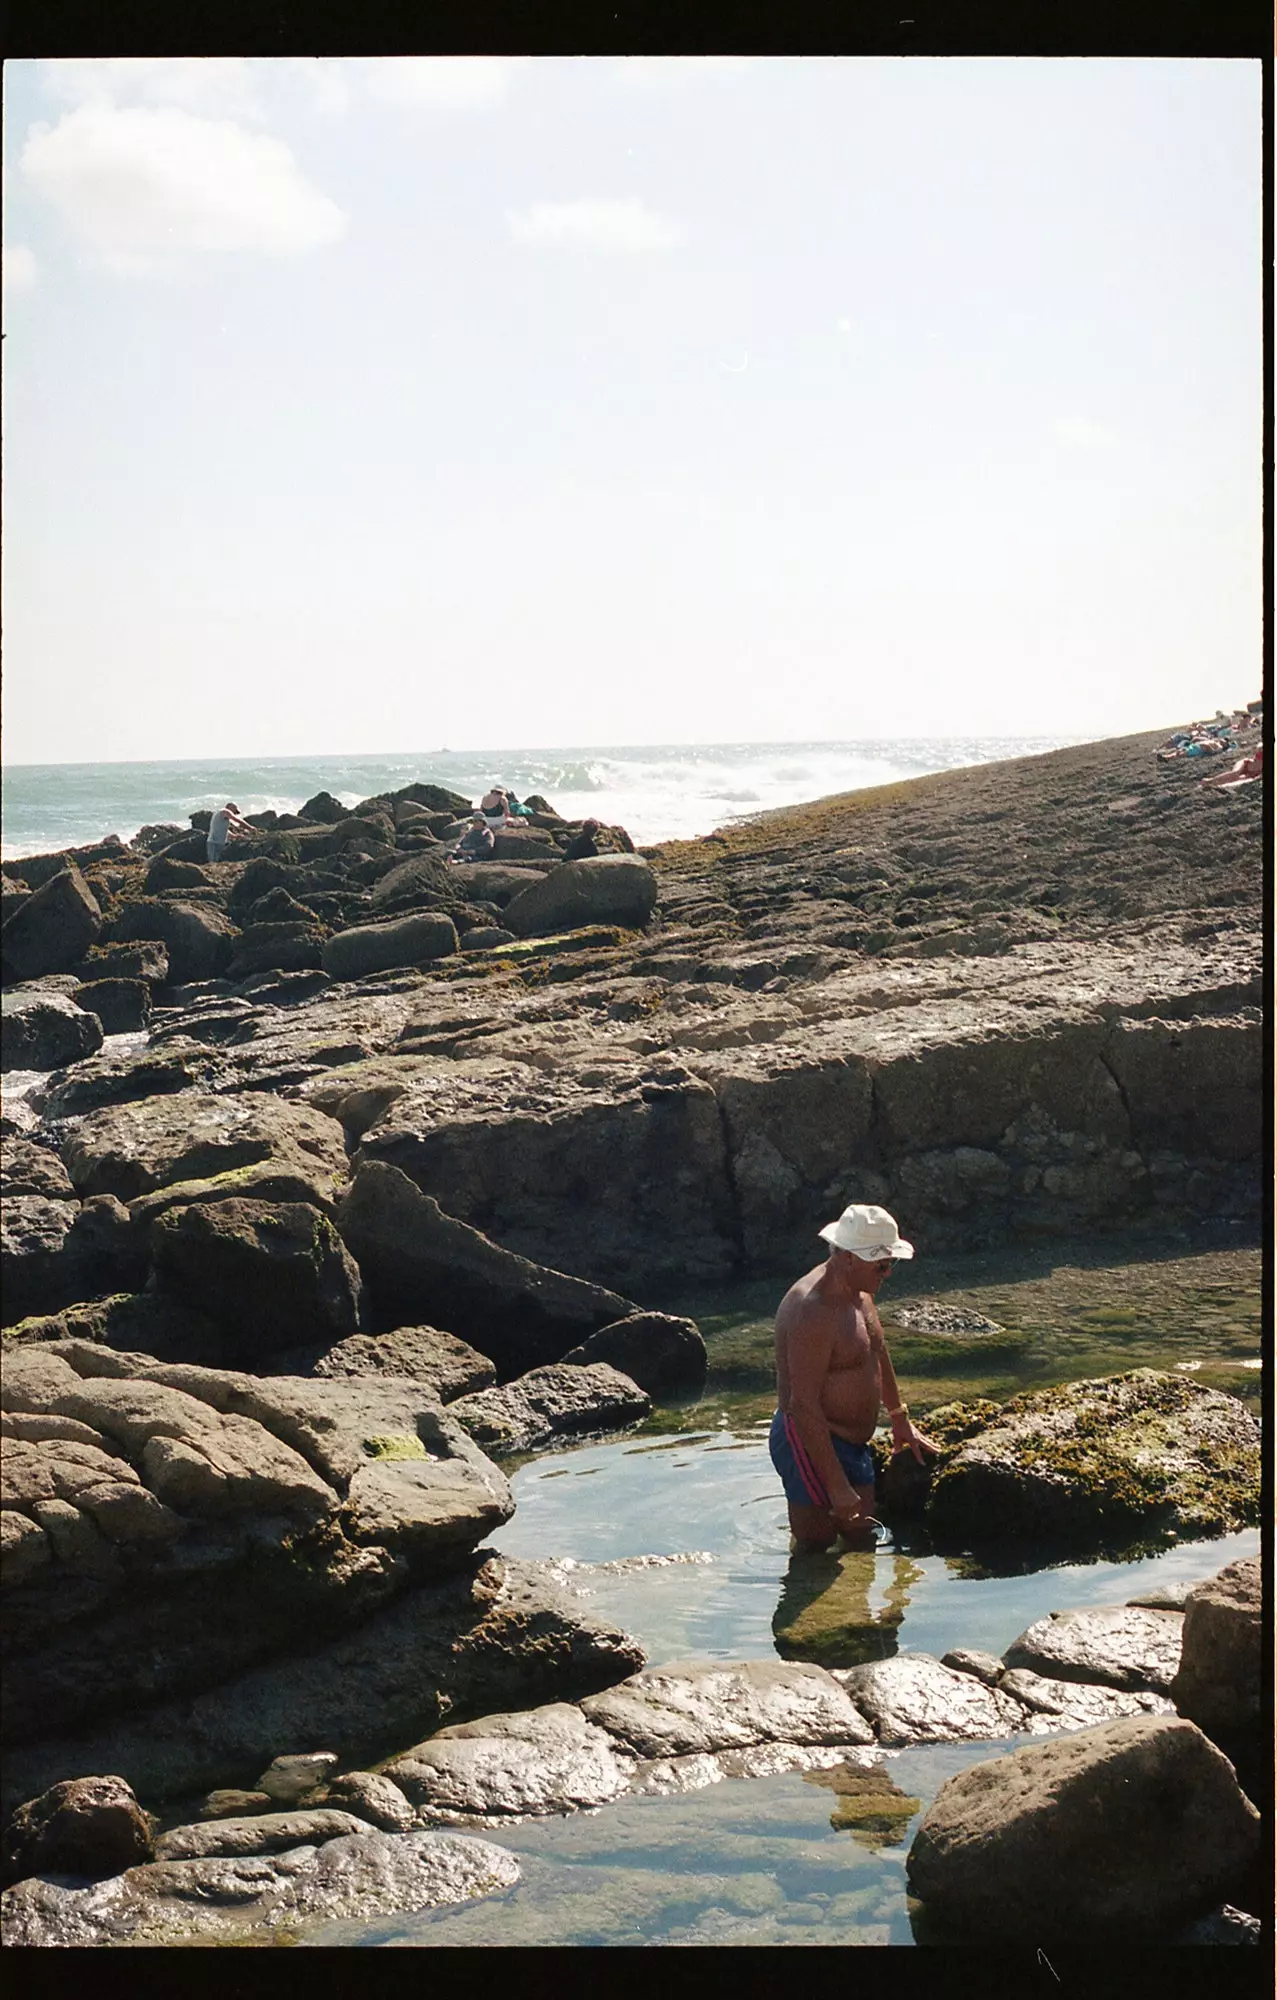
{"x":677,"y":1532}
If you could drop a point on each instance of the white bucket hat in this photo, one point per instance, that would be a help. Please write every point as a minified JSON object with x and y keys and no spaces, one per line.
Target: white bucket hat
{"x":869,"y":1232}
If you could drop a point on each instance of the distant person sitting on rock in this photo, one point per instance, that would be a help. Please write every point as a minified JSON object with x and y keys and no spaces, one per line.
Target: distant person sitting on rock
{"x":1242,"y":771}
{"x":476,"y":843}
{"x":832,"y":1373}
{"x":494,"y":808}
{"x":514,"y":806}
{"x":224,"y":822}
{"x":585,"y":843}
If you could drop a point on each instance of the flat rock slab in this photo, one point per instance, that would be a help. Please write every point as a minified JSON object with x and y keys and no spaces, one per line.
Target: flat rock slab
{"x":665,"y":1775}
{"x":548,"y":1403}
{"x":913,"y":1699}
{"x":1131,"y":1827}
{"x":448,"y":1366}
{"x":242,"y":1898}
{"x":540,"y":1760}
{"x":262,"y":1833}
{"x":692,"y":1706}
{"x":1120,"y":1645}
{"x":130,"y":1149}
{"x":1052,"y":1705}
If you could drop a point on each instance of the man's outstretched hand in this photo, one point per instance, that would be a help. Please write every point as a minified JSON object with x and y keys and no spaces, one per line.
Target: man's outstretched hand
{"x":905,"y":1438}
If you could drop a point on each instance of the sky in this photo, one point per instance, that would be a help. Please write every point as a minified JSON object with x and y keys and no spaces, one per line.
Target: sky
{"x":402,"y":403}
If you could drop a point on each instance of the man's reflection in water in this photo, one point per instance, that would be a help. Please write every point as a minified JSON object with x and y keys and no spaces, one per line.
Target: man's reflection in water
{"x":824,"y":1612}
{"x":869,"y":1805}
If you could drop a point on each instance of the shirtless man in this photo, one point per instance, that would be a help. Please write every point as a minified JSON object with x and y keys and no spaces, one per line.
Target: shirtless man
{"x":832,"y":1371}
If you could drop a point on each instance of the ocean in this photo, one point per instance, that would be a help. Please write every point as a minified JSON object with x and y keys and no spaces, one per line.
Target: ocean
{"x":657,"y":792}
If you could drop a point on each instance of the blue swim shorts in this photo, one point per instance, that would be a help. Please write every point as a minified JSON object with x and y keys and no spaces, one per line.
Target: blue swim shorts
{"x":799,"y":1477}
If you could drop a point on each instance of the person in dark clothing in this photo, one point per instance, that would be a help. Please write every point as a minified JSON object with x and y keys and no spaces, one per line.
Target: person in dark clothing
{"x":585,"y":843}
{"x":476,"y":843}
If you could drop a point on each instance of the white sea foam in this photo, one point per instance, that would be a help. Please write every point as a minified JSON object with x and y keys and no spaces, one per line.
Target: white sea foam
{"x":657,"y":792}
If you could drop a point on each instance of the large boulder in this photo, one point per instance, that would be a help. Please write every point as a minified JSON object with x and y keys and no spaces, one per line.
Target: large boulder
{"x":256,"y":1898}
{"x":1219,"y":1684}
{"x":425,"y":879}
{"x":42,"y":1030}
{"x":38,"y":1276}
{"x":538,"y":1760}
{"x":1128,"y":1828}
{"x":1095,"y":1462}
{"x":449,"y":1366}
{"x":491,"y":1635}
{"x":83,"y":1826}
{"x":422,"y":1264}
{"x":659,"y":1351}
{"x":171,"y":1525}
{"x":1118,"y":1645}
{"x":495,"y":881}
{"x":132,"y":1148}
{"x":199,"y":937}
{"x":123,"y":1006}
{"x":147,"y":961}
{"x":52,"y":929}
{"x":914,"y":1699}
{"x":131,"y":1322}
{"x":608,"y":889}
{"x":380,"y":947}
{"x":271,"y":1274}
{"x":294,"y":946}
{"x":690,"y":1706}
{"x":26,"y":1167}
{"x":548,"y":1403}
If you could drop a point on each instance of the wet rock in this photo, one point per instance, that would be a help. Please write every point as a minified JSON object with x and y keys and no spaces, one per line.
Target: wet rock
{"x":166,"y":873}
{"x":450,"y":1367}
{"x":199,"y":937}
{"x":1219,"y":1681}
{"x":692,"y":1706}
{"x":552,"y":1402}
{"x":1144,"y":1452}
{"x":324,"y":809}
{"x":1135,"y":1825}
{"x":267,"y":1182}
{"x":270,"y":1273}
{"x":610,"y":888}
{"x":83,"y":1826}
{"x":231,"y":1803}
{"x":538,"y":1760}
{"x":657,"y":1350}
{"x":424,"y":880}
{"x":489,"y":1636}
{"x":43,"y":1031}
{"x":241,"y":1899}
{"x":259,"y":1833}
{"x":914,"y":1699}
{"x":122,"y":1079}
{"x":374,"y":1797}
{"x":1056,"y":1704}
{"x":1226,"y":1925}
{"x":123,"y":1006}
{"x":129,"y":1149}
{"x":51,"y":929}
{"x":497,"y":881}
{"x":378,"y":947}
{"x":1117,"y":1645}
{"x":421,"y":1263}
{"x":986,"y":1667}
{"x":291,"y":1778}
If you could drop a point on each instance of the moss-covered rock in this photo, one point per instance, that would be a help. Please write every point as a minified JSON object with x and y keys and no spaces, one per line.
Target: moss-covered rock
{"x":1144,"y":1454}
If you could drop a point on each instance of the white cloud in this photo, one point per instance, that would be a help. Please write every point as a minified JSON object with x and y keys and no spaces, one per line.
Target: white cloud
{"x":594,"y":225}
{"x":20,"y":270}
{"x":139,"y":186}
{"x":1084,"y":433}
{"x":216,"y":85}
{"x":452,"y":82}
{"x":326,"y":79}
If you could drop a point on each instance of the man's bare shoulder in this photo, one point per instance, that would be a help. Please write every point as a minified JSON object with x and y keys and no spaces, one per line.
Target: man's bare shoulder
{"x":803,"y":1303}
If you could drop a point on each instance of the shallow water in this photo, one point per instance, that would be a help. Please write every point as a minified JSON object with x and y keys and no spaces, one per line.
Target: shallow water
{"x":677,"y":1532}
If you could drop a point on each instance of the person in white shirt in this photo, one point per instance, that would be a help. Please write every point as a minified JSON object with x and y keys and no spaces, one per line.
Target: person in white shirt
{"x":220,"y":827}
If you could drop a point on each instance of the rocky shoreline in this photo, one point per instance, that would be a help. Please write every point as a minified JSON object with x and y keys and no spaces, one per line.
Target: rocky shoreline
{"x":385,"y":1183}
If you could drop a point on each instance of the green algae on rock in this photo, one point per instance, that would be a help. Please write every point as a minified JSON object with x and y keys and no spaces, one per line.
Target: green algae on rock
{"x":1144,"y":1453}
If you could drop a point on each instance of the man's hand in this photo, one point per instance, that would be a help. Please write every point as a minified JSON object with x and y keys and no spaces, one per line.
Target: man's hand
{"x":854,"y":1525}
{"x":905,"y":1438}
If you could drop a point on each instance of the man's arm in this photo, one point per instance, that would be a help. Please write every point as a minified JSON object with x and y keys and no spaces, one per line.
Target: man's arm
{"x":809,"y":1345}
{"x":903,"y":1435}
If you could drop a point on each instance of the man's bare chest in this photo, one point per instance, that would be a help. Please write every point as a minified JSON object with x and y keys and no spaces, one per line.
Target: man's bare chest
{"x":851,"y":1347}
